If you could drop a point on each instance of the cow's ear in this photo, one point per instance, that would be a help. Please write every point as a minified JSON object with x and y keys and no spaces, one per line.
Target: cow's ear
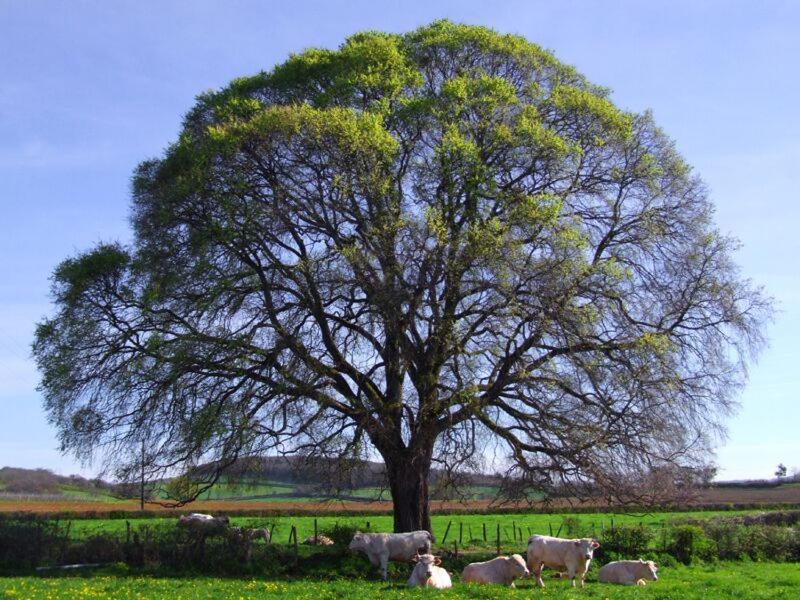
{"x":595,"y":544}
{"x":437,"y":561}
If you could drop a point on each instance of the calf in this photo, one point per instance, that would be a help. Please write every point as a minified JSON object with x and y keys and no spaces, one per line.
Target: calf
{"x":572,"y":556}
{"x":428,"y":573}
{"x":629,"y":572}
{"x":503,"y":570}
{"x":380,"y":548}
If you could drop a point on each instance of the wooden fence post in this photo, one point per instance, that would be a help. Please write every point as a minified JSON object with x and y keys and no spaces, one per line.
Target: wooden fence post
{"x":271,"y":530}
{"x":498,"y":539}
{"x":315,"y":531}
{"x":484,"y":531}
{"x":550,"y":527}
{"x":460,"y":532}
{"x":446,"y":531}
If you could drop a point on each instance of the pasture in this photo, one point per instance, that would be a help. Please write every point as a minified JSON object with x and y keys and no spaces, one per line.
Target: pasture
{"x":721,"y":580}
{"x":465,"y":528}
{"x":283,"y":569}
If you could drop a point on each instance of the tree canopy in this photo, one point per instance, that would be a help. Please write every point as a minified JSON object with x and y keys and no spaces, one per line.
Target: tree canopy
{"x":433,"y":246}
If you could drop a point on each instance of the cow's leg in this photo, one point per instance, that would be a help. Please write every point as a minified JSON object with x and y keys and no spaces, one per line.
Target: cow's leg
{"x":385,"y":566}
{"x":571,"y":574}
{"x":537,"y":570}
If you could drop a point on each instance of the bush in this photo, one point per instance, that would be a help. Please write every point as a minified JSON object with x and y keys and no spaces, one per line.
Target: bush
{"x":689,"y":543}
{"x":624,"y":542}
{"x":341,"y":535}
{"x":771,"y":543}
{"x":102,"y":548}
{"x":726,"y":537}
{"x":572,"y":526}
{"x":29,"y":542}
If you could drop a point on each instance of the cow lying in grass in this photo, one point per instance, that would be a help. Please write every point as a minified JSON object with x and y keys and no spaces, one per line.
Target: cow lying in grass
{"x":572,"y":556}
{"x":629,"y":572}
{"x":380,"y":548}
{"x":320,"y":540}
{"x":503,"y":570}
{"x":428,"y":573}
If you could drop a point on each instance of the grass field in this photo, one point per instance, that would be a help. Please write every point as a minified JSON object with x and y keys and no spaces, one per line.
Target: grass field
{"x":722,"y":580}
{"x":462,"y":525}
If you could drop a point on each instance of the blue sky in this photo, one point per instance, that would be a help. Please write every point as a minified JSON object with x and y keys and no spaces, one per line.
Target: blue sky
{"x":89,"y":89}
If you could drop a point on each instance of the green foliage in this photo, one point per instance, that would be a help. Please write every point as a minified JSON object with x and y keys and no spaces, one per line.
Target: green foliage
{"x":342,"y":533}
{"x":625,"y":542}
{"x":75,"y":275}
{"x":585,"y":103}
{"x":689,"y":543}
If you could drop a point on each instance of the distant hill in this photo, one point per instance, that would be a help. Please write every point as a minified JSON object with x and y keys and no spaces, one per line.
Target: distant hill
{"x":297,"y":479}
{"x":250,"y":479}
{"x":43,"y":482}
{"x":318,"y":477}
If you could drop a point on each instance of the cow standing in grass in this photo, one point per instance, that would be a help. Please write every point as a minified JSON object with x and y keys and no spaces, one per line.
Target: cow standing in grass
{"x":201,"y":526}
{"x":572,"y":556}
{"x":380,"y":548}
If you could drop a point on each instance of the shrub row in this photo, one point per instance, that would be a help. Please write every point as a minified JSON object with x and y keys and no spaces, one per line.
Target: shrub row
{"x":29,"y":543}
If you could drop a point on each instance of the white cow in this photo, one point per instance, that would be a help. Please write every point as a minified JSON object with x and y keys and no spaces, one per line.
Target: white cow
{"x":503,"y":570}
{"x":629,"y":572}
{"x":204,"y":525}
{"x":428,"y":573}
{"x":380,"y":548}
{"x":573,"y":556}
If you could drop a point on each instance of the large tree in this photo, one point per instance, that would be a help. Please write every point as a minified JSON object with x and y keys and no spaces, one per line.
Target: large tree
{"x":429,"y":247}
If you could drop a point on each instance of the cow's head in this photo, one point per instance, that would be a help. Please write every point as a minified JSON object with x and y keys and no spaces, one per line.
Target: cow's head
{"x":516,"y":565}
{"x":359,"y":542}
{"x":648,"y":570}
{"x":425,"y":564}
{"x":587,"y":546}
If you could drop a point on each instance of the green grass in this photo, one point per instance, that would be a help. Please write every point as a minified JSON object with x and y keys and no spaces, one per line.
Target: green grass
{"x":538,"y":523}
{"x":723,"y":580}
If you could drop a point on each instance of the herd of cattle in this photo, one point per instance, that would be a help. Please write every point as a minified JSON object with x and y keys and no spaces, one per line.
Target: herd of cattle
{"x":570,"y":556}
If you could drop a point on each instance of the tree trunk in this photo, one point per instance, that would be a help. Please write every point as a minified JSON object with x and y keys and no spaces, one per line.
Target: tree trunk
{"x":408,"y":481}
